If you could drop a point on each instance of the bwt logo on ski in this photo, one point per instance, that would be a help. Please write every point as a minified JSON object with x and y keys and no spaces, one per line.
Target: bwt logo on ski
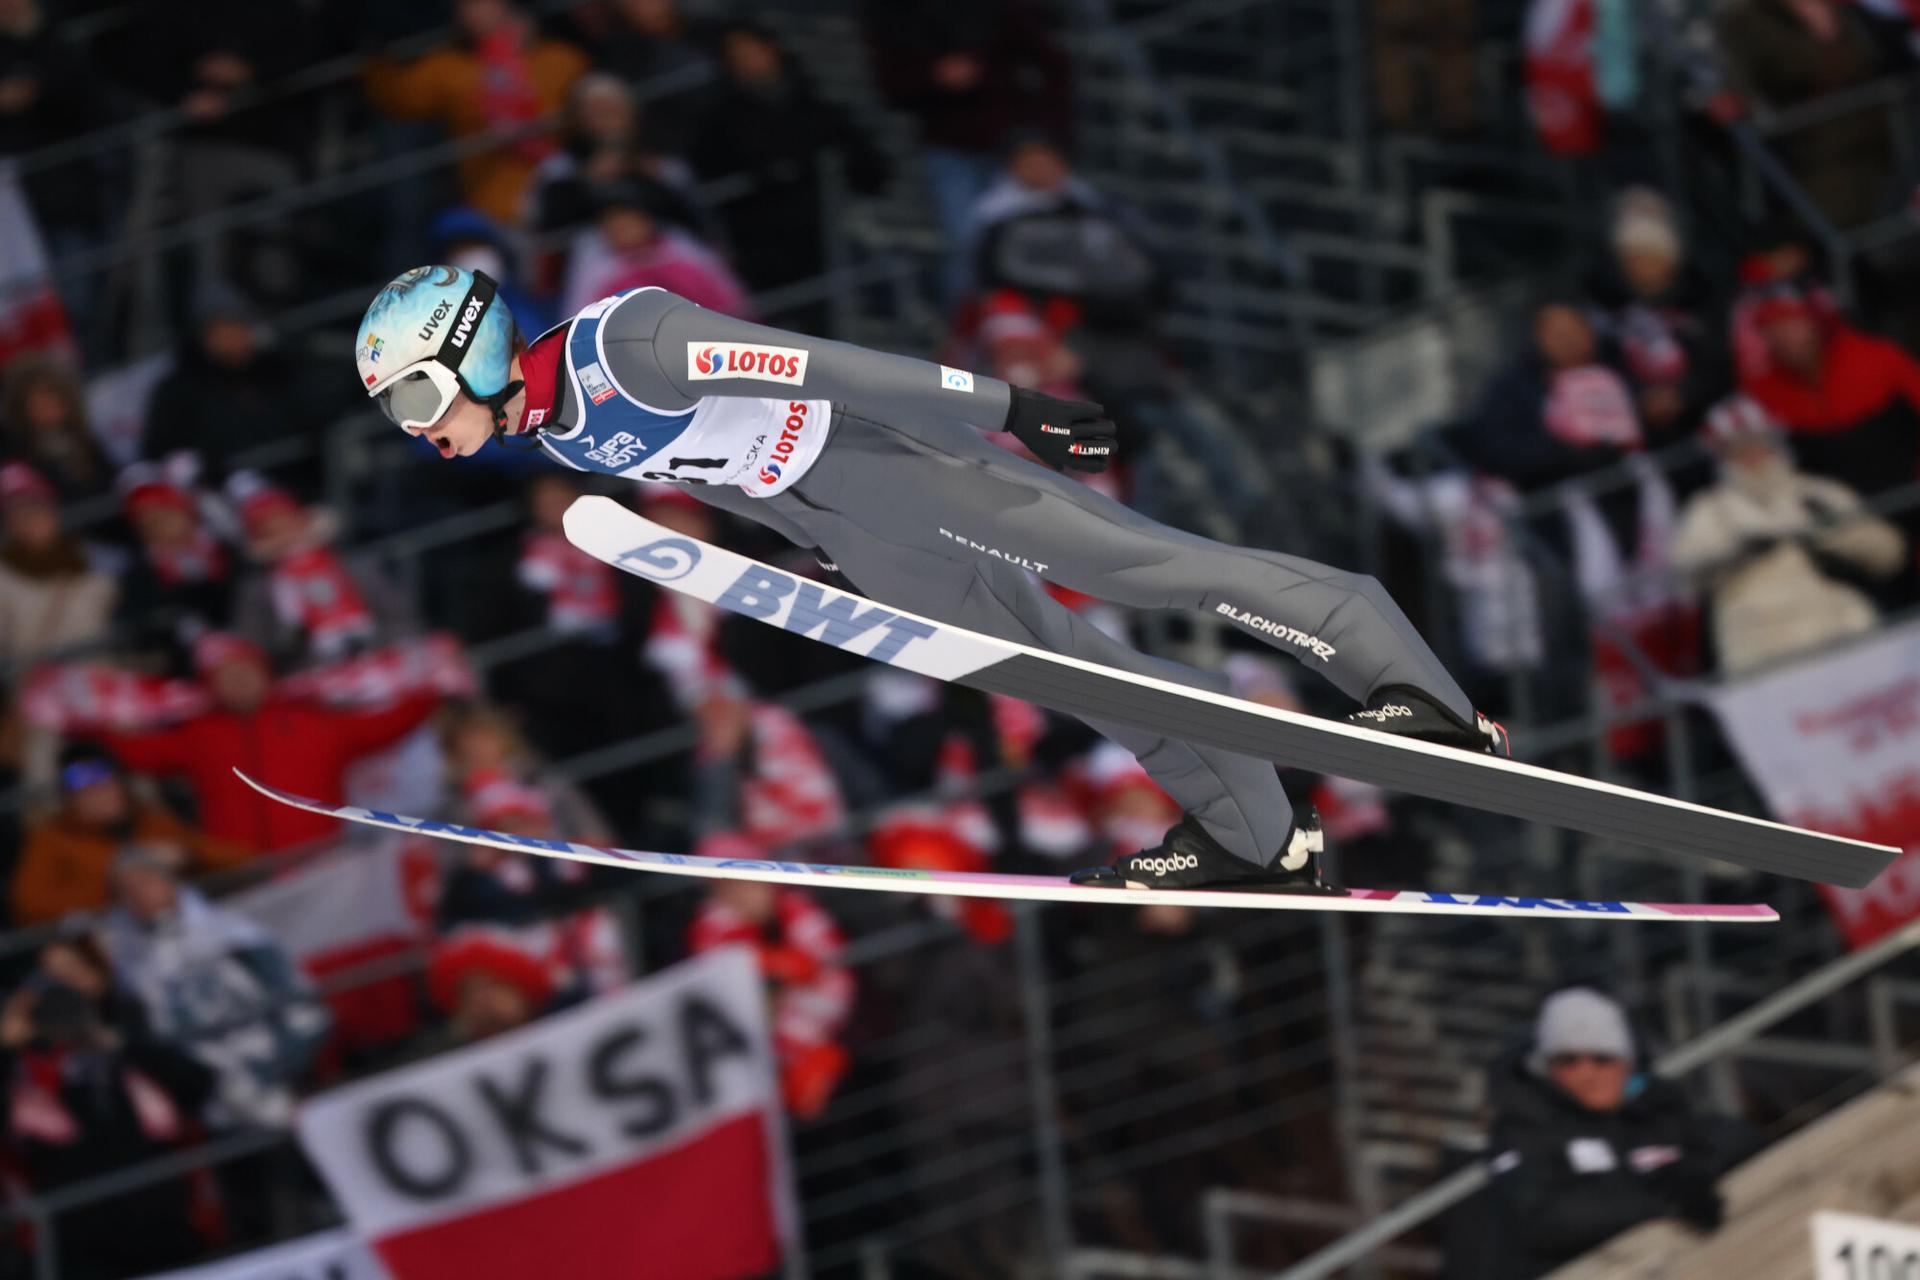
{"x":765,"y":594}
{"x":706,"y":360}
{"x":664,"y":560}
{"x":789,"y":440}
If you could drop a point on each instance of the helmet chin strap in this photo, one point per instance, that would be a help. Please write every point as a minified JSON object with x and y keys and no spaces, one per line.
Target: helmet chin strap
{"x":497,"y":406}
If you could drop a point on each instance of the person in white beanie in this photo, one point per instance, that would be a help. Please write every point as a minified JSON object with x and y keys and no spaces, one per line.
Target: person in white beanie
{"x":1585,"y":1145}
{"x":1662,"y":316}
{"x":1763,"y":541}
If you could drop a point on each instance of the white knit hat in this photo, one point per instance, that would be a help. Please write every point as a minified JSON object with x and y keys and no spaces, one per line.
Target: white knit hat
{"x":1580,"y":1020}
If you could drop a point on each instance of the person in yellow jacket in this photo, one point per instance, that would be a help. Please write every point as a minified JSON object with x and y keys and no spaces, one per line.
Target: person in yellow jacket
{"x":501,"y":77}
{"x":66,"y":861}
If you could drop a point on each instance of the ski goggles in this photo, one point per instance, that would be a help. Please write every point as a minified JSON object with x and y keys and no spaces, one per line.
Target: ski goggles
{"x":422,"y":392}
{"x":420,"y":395}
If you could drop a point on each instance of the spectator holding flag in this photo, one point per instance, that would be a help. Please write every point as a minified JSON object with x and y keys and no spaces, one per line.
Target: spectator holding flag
{"x":293,"y":743}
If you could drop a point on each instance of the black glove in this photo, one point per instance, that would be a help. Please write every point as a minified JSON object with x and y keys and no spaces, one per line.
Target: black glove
{"x":1696,"y":1200}
{"x":1067,"y":435}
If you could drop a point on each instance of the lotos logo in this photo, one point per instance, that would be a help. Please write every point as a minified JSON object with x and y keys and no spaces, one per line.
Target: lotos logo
{"x":375,"y":345}
{"x":707,"y":360}
{"x":783,"y":448}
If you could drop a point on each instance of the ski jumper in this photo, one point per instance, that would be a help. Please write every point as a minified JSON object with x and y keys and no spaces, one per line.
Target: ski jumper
{"x":876,"y":463}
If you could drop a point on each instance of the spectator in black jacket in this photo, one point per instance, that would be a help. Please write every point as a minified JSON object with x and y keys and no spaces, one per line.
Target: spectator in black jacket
{"x":767,"y":124}
{"x":231,"y":392}
{"x":49,"y":92}
{"x":972,"y":75}
{"x":89,"y":1092}
{"x":1585,"y":1144}
{"x":650,"y":45}
{"x":1664,"y":316}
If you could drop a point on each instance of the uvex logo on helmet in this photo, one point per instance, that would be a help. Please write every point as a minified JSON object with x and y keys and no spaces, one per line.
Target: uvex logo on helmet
{"x":440,"y":312}
{"x":464,"y":328}
{"x":744,"y":360}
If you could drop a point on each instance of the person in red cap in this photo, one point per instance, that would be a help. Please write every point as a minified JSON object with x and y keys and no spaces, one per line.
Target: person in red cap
{"x":305,"y":602}
{"x":1850,"y":400}
{"x":290,"y":743}
{"x":51,"y":597}
{"x":486,"y":984}
{"x":181,"y":584}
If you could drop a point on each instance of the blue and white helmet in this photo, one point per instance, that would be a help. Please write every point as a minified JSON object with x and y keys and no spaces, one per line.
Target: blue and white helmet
{"x":431,"y":334}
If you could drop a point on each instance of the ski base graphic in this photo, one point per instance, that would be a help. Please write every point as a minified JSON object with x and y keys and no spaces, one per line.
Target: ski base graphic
{"x":988,"y":884}
{"x":612,"y":533}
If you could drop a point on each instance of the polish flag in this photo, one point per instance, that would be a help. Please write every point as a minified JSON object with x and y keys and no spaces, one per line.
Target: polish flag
{"x":637,"y":1134}
{"x":31,"y":315}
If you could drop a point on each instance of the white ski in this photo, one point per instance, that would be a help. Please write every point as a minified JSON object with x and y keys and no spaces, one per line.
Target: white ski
{"x":613,"y":533}
{"x":989,"y":884}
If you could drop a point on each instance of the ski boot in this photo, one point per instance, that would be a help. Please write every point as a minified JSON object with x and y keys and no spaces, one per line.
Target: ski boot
{"x":1398,"y":709}
{"x":1189,"y":858}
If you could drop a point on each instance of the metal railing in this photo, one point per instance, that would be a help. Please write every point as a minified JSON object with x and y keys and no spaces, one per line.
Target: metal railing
{"x":1708,"y":1047}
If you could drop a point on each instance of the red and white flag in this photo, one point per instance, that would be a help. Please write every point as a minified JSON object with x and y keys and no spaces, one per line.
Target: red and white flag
{"x":31,"y":315}
{"x":1833,"y":743}
{"x":635,"y":1135}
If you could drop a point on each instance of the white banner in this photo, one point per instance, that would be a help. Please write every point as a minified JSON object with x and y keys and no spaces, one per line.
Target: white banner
{"x":331,"y":1255}
{"x":1833,"y":743}
{"x":636,"y":1134}
{"x":1847,"y":1246}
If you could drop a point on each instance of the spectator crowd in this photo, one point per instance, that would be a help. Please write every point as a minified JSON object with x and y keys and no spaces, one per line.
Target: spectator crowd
{"x":195,"y":579}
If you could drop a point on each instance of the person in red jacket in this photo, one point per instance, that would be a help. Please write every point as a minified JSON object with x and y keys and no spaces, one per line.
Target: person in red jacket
{"x":290,"y":743}
{"x":1850,"y":400}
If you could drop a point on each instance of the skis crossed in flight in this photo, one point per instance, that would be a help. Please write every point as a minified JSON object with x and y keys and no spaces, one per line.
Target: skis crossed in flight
{"x":629,"y":542}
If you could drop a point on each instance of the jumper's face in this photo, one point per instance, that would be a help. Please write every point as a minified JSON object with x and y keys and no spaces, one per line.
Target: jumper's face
{"x":1597,"y":1081}
{"x":462,"y":431}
